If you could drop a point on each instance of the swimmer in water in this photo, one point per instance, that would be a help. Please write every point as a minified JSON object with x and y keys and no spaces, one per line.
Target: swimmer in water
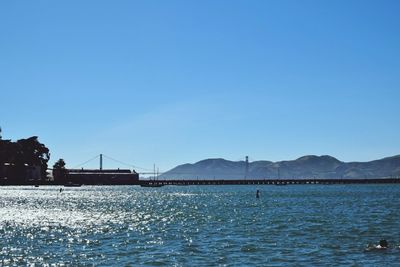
{"x":258,"y":194}
{"x":383,"y":244}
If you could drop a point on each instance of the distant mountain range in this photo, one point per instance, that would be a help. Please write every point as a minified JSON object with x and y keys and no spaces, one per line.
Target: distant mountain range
{"x":301,"y":168}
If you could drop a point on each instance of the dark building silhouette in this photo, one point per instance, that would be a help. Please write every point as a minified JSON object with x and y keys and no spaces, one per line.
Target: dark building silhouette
{"x":103,"y":177}
{"x":11,"y":174}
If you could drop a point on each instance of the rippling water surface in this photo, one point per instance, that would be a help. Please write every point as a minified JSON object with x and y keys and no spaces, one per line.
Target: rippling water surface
{"x":298,"y":225}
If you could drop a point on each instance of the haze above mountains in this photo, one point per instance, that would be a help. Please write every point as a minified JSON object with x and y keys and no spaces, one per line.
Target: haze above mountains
{"x":302,"y":168}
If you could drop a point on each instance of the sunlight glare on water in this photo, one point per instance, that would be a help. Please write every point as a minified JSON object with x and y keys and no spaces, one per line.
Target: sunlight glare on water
{"x":204,"y":225}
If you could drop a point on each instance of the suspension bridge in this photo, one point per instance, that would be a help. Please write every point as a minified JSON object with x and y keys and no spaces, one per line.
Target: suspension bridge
{"x":100,"y":158}
{"x":154,"y":181}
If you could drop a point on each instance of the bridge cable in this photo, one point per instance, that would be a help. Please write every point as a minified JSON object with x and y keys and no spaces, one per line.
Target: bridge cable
{"x":86,"y":162}
{"x":126,"y":164}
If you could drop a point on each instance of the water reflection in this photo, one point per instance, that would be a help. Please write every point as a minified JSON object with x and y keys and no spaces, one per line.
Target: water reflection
{"x":204,"y":225}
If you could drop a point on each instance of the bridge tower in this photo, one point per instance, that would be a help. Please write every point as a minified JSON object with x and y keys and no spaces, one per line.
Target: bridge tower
{"x":101,"y":161}
{"x":247,"y":167}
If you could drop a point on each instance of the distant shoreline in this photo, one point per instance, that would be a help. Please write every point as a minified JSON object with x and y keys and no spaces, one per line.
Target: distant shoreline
{"x":238,"y":182}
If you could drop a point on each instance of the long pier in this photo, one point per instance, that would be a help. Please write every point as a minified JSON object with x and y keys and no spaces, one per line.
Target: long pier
{"x":271,"y":182}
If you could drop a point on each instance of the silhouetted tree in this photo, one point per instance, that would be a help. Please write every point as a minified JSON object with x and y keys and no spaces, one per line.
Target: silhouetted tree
{"x":60,"y":172}
{"x":33,"y":153}
{"x":17,"y":158}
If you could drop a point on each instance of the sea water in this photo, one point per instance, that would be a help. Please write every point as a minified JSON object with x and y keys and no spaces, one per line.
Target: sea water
{"x":301,"y":225}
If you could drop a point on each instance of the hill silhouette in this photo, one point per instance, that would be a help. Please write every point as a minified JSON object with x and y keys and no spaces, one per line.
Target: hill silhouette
{"x":305,"y":167}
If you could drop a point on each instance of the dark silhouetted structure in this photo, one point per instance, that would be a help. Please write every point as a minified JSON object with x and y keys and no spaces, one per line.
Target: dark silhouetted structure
{"x":103,"y":177}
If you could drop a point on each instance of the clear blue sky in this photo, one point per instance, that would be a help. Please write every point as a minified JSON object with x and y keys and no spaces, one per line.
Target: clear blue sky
{"x":171,"y":82}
